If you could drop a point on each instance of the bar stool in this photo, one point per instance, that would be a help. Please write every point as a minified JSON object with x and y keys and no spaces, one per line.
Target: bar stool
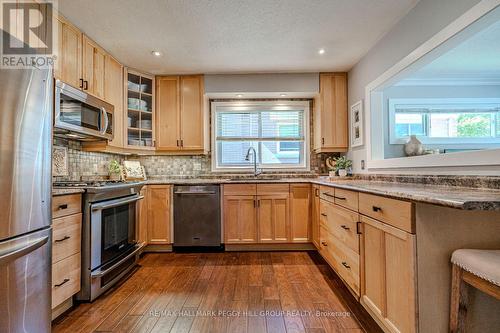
{"x":477,"y":268}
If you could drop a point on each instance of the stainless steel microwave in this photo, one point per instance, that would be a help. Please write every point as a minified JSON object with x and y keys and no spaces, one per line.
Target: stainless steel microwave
{"x":81,"y":116}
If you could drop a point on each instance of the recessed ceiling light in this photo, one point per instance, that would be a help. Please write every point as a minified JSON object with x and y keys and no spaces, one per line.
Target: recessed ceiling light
{"x":321,"y":51}
{"x":282,"y":95}
{"x":156,"y":53}
{"x":239,"y":95}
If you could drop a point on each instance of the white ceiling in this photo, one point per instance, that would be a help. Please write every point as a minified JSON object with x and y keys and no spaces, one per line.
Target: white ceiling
{"x":236,"y":36}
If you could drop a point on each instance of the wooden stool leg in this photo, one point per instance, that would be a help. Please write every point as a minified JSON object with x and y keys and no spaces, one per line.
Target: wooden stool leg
{"x":459,"y":300}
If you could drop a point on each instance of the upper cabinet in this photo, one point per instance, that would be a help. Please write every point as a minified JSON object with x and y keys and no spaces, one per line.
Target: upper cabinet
{"x":181,"y":114}
{"x":140,"y":110}
{"x":93,"y":68}
{"x":330,"y":114}
{"x":113,"y":93}
{"x":68,"y":63}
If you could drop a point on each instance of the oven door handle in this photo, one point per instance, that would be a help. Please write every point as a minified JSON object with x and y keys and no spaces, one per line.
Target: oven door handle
{"x":117,"y":202}
{"x":100,"y":273}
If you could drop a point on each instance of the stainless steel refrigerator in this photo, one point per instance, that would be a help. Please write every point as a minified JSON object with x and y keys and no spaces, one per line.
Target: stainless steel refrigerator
{"x":26,"y":98}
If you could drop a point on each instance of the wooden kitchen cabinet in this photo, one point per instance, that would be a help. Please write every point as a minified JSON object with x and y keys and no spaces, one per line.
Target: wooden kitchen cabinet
{"x":315,"y":202}
{"x":273,"y":218}
{"x":240,"y":219}
{"x":181,"y":114}
{"x":159,"y":212}
{"x":68,"y":62}
{"x":388,"y":284}
{"x":113,"y":93}
{"x":300,"y":196}
{"x":330,"y":114}
{"x":142,"y":217}
{"x":93,"y":60}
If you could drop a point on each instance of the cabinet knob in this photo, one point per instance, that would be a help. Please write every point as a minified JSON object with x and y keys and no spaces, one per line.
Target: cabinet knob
{"x":64,"y":206}
{"x":376,"y":209}
{"x":323,"y":214}
{"x":345,"y":227}
{"x":324,"y":243}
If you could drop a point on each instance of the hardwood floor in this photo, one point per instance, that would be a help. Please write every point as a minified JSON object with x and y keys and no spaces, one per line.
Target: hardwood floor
{"x":224,"y":292}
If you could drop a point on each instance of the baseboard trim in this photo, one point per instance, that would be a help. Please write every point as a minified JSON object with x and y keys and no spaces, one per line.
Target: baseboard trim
{"x":62,"y":308}
{"x":157,"y":248}
{"x":271,"y":247}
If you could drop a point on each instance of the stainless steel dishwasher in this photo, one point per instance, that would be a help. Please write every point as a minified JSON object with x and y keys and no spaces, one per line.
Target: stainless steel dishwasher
{"x":197,"y":217}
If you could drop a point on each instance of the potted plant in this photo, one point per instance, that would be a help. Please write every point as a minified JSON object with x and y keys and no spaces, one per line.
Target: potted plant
{"x":114,"y":170}
{"x":342,"y":164}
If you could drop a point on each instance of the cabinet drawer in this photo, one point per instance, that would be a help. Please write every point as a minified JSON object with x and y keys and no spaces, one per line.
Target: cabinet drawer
{"x":391,"y":211}
{"x":269,"y":189}
{"x":240,"y":189}
{"x":346,"y":198}
{"x":65,"y":279}
{"x":342,"y":259}
{"x":342,"y":223}
{"x":66,"y":239}
{"x":327,"y":193}
{"x":64,"y":205}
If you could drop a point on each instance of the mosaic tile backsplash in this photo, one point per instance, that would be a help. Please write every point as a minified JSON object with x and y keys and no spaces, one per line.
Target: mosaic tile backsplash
{"x":84,"y":165}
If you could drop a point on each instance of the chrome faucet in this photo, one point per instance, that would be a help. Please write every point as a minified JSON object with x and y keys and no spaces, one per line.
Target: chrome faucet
{"x":247,"y":158}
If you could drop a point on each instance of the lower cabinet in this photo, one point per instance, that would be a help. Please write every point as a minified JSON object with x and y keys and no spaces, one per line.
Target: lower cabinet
{"x":159,"y":212}
{"x":240,"y":219}
{"x":315,"y":202}
{"x":388,"y":287}
{"x":300,"y":197}
{"x":273,"y":218}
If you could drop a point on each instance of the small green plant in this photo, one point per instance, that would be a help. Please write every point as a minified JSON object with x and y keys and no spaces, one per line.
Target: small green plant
{"x":114,"y":167}
{"x":342,"y":163}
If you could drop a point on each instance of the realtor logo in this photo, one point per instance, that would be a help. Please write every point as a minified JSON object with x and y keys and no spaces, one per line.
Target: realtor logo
{"x":27,"y":38}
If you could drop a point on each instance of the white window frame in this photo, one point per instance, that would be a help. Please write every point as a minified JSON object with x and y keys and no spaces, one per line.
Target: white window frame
{"x":279,"y":105}
{"x":426,"y":102}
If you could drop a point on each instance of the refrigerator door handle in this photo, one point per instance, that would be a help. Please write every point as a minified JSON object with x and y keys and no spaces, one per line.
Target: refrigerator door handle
{"x":20,"y":251}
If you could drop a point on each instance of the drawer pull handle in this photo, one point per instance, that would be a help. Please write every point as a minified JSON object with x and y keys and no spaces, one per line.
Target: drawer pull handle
{"x":64,"y":206}
{"x":340,"y":198}
{"x":323,"y":214}
{"x":329,"y":195}
{"x":324,"y":243}
{"x":346,"y":265}
{"x":376,"y":209}
{"x":60,"y":284}
{"x":316,"y":192}
{"x":345,"y":227}
{"x":62,"y":239}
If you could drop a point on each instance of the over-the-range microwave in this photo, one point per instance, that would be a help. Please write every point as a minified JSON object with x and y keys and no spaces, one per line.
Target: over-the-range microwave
{"x":81,"y":116}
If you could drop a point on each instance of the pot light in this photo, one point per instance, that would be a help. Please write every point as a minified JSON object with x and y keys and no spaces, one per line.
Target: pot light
{"x":239,"y":95}
{"x":156,"y":53}
{"x":282,"y":95}
{"x":321,"y":51}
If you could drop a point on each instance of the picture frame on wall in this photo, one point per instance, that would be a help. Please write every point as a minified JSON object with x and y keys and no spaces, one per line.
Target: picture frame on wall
{"x":357,"y":137}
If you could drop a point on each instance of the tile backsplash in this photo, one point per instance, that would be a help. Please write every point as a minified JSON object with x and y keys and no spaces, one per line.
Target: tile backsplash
{"x":84,"y":165}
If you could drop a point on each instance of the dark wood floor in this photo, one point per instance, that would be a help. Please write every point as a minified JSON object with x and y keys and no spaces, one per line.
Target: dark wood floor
{"x":224,"y":292}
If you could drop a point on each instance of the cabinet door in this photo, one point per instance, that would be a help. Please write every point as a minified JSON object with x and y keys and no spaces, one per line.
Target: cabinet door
{"x":315,"y":215}
{"x":168,"y":113}
{"x":273,"y":218}
{"x":300,"y":223}
{"x":159,"y":214}
{"x":113,"y":94}
{"x":142,"y":217}
{"x":240,"y":220}
{"x":68,"y":63}
{"x":93,"y":68}
{"x":192,"y":116}
{"x":333,"y":113}
{"x":389,"y":274}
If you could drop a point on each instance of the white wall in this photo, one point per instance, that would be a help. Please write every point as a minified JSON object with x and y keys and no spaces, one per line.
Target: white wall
{"x":426,"y":19}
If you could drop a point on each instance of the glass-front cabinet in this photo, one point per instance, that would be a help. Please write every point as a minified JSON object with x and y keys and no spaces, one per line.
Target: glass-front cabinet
{"x":139,"y":100}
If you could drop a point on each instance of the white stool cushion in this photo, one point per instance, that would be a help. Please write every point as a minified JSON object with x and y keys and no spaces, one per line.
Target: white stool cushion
{"x":482,"y":263}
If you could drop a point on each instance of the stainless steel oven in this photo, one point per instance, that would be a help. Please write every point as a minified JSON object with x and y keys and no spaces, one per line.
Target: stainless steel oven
{"x":109,"y":246}
{"x":78,"y":115}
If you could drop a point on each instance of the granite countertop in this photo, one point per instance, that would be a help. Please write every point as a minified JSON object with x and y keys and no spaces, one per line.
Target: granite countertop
{"x":65,"y":191}
{"x":448,"y":196}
